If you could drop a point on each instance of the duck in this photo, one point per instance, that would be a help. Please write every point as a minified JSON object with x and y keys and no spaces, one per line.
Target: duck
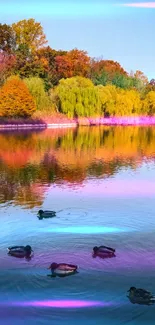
{"x":46,"y":214}
{"x":103,"y":251}
{"x":140,"y":296}
{"x":62,"y":269}
{"x":20,"y":251}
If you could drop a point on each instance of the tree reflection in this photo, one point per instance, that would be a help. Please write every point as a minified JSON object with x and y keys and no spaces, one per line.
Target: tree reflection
{"x":32,"y":161}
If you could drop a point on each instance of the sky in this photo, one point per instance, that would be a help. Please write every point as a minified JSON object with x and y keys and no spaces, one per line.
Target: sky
{"x":119,"y":30}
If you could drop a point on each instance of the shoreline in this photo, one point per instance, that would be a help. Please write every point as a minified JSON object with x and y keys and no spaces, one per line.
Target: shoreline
{"x":109,"y":121}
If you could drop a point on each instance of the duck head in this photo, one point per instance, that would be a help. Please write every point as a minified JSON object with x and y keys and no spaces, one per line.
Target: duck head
{"x":132,"y":290}
{"x":40,"y":212}
{"x":28,"y":249}
{"x":95,"y":249}
{"x":53,"y":266}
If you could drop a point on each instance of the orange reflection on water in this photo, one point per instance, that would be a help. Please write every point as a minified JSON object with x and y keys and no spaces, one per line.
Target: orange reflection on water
{"x":31,"y":161}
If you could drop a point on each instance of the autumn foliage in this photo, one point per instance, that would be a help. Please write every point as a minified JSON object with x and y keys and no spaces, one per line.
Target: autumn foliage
{"x":7,"y":63}
{"x":66,"y":82}
{"x":15,"y":99}
{"x":74,"y":63}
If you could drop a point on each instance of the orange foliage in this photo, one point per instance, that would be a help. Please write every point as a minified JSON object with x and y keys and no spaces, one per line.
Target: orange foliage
{"x":108,"y":66}
{"x":15,"y":99}
{"x":74,"y":63}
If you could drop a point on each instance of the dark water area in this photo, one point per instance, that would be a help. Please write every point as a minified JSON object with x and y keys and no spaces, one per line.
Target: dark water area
{"x":101,"y":183}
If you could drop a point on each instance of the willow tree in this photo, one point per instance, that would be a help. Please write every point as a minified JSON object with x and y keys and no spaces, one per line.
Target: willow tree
{"x":37,"y":90}
{"x":78,"y":97}
{"x":149,"y":104}
{"x":108,"y":95}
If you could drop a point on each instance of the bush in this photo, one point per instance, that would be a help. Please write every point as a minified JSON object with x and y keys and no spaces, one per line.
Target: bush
{"x":36,"y":88}
{"x":15,"y":99}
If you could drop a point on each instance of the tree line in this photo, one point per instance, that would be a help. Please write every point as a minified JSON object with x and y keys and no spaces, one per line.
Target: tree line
{"x":36,"y":80}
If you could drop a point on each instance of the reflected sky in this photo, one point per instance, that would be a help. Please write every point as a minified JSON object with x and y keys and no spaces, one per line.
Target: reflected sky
{"x":85,"y":230}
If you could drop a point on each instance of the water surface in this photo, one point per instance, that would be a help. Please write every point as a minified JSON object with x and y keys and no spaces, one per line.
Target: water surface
{"x":101,"y":183}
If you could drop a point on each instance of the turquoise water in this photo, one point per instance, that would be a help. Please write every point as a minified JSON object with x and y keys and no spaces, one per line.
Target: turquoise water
{"x":101,"y":183}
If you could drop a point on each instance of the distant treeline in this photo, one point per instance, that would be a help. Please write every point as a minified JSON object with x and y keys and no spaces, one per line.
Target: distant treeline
{"x":38,"y":81}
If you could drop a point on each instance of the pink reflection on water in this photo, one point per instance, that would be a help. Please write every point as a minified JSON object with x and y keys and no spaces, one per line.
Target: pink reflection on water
{"x":122,"y":188}
{"x":64,"y":303}
{"x":112,"y":187}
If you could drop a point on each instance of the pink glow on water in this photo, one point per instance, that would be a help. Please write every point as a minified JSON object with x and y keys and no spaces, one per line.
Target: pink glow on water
{"x":64,"y":303}
{"x":140,"y":5}
{"x":116,"y":188}
{"x":123,"y":188}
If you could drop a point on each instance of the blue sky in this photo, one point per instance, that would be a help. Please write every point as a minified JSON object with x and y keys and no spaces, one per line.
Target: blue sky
{"x":106,"y":29}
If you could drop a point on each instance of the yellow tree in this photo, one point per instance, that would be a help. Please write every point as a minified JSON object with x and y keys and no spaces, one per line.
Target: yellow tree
{"x":108,"y":96}
{"x":29,"y":33}
{"x":149,"y":103}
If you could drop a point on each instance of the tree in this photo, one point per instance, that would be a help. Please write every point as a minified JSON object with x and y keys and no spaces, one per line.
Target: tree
{"x":108,"y":96}
{"x":107,"y":66}
{"x":152,"y":82}
{"x":122,"y":81}
{"x":74,"y":63}
{"x":100,"y":79}
{"x":150,"y":86}
{"x":140,"y":75}
{"x":127,"y":103}
{"x":149,"y":103}
{"x":119,"y":102}
{"x":27,"y":63}
{"x":78,"y":97}
{"x":15,"y":99}
{"x":36,"y":88}
{"x":30,"y":33}
{"x":7,"y":64}
{"x":7,"y":39}
{"x":47,"y":57}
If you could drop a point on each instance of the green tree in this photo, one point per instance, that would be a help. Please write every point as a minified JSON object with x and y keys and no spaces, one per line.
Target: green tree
{"x":122,"y":81}
{"x":78,"y":97}
{"x":36,"y":88}
{"x":100,"y":79}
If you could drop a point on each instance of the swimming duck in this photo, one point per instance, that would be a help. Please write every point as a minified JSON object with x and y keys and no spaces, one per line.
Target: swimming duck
{"x":103,"y":251}
{"x":62,"y":269}
{"x":20,"y":251}
{"x":46,"y":214}
{"x":140,"y":296}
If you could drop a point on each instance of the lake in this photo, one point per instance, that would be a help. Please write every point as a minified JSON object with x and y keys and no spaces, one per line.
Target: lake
{"x":101,"y":183}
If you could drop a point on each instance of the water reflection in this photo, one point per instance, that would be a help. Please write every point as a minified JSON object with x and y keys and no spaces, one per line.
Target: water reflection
{"x":31,"y":161}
